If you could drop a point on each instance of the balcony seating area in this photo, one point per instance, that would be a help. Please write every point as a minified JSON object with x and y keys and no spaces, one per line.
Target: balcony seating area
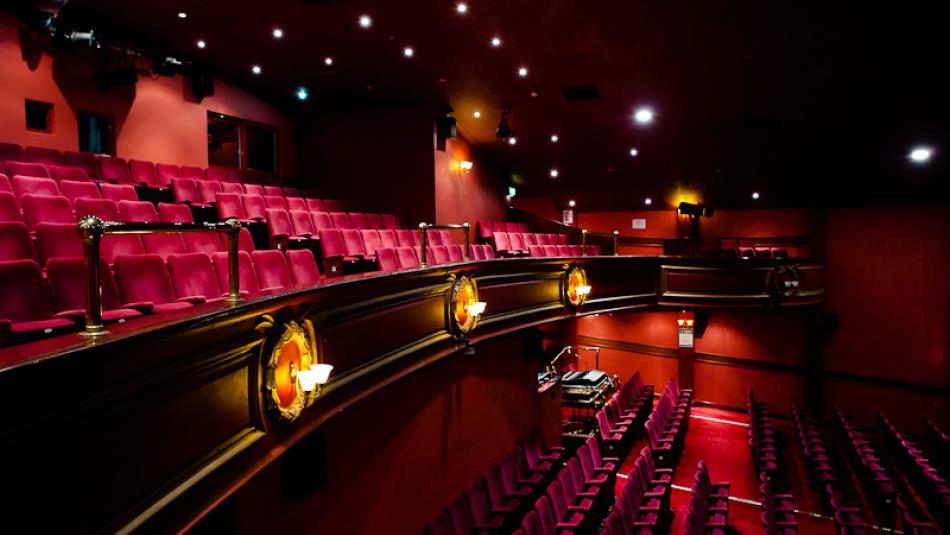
{"x":509,"y":239}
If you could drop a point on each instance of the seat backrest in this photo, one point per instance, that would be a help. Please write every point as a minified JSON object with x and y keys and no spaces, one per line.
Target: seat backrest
{"x":387,"y":260}
{"x":67,"y":284}
{"x":517,"y":243}
{"x":275,"y":201}
{"x":229,"y":205}
{"x":278,"y":222}
{"x":5,"y":185}
{"x":303,"y":267}
{"x":164,"y":244}
{"x":138,"y":212}
{"x":208,"y":190}
{"x":353,"y":242}
{"x":104,"y":209}
{"x":315,"y":205}
{"x":25,"y":297}
{"x":374,"y":221}
{"x":576,"y":250}
{"x":529,"y":239}
{"x":272,"y":270}
{"x":371,"y":241}
{"x":37,"y":170}
{"x":549,"y":250}
{"x":143,"y":172}
{"x":331,"y":242}
{"x":114,"y":170}
{"x":390,"y":221}
{"x":217,"y":174}
{"x":143,"y":277}
{"x":302,"y":223}
{"x":456,"y":254}
{"x":461,"y":515}
{"x":439,"y":254}
{"x":387,"y":238}
{"x":167,"y":172}
{"x":321,"y":220}
{"x":46,"y":209}
{"x":232,"y":187}
{"x":23,"y":185}
{"x":73,"y":190}
{"x":174,"y":213}
{"x":247,"y":276}
{"x":501,"y":242}
{"x":185,"y":190}
{"x":193,"y":275}
{"x":254,"y":189}
{"x":562,"y":239}
{"x":407,"y":256}
{"x":60,"y":173}
{"x":119,"y":192}
{"x":9,"y":210}
{"x":86,"y":161}
{"x":11,"y":152}
{"x":488,"y":252}
{"x":358,"y":220}
{"x":297,"y":203}
{"x":433,"y":237}
{"x":543,"y":239}
{"x":340,"y":220}
{"x":15,"y":242}
{"x":44,"y":156}
{"x":536,"y":250}
{"x":254,"y":207}
{"x":58,"y":240}
{"x":404,"y":237}
{"x":194,"y":173}
{"x":563,"y":250}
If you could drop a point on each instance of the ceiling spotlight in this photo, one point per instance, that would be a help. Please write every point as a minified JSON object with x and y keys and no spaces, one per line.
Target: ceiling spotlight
{"x":328,"y":61}
{"x":477,"y":114}
{"x":921,"y":154}
{"x":201,"y":43}
{"x":554,"y":138}
{"x":512,"y":140}
{"x":571,"y":203}
{"x":461,"y":7}
{"x":496,"y":41}
{"x":643,"y":116}
{"x":755,"y":195}
{"x":554,"y":173}
{"x":634,"y":152}
{"x":182,"y":15}
{"x":302,"y":93}
{"x":523,"y":72}
{"x":408,"y":52}
{"x":256,"y":69}
{"x":365,"y":21}
{"x":648,"y":201}
{"x":277,"y":33}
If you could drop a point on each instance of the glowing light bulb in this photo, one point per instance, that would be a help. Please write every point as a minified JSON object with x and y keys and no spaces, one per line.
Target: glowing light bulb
{"x":643,"y":116}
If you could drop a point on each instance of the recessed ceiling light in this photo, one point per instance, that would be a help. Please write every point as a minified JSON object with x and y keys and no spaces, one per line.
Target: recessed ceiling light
{"x":365,"y":21}
{"x":554,"y":173}
{"x":477,"y":114}
{"x":755,"y":195}
{"x":256,"y":69}
{"x":302,"y":93}
{"x":643,"y":115}
{"x":201,"y":43}
{"x":408,"y":52}
{"x":554,"y":138}
{"x":571,"y":203}
{"x":182,"y":15}
{"x":648,"y":201}
{"x":921,"y":154}
{"x":328,"y":61}
{"x":512,"y":140}
{"x":277,"y":33}
{"x":634,"y":152}
{"x":496,"y":41}
{"x":523,"y":72}
{"x":461,"y":7}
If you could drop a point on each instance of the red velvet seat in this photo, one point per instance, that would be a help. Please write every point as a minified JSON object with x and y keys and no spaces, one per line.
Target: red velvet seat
{"x":353,"y":243}
{"x":315,"y":205}
{"x":167,"y":173}
{"x":144,"y":212}
{"x":37,"y":170}
{"x":371,"y":241}
{"x":576,"y":250}
{"x":275,"y":201}
{"x":255,"y":189}
{"x":114,"y":170}
{"x":185,"y":190}
{"x":303,"y":267}
{"x":439,"y":254}
{"x":11,"y":152}
{"x":86,"y":161}
{"x":174,"y":213}
{"x":297,"y":203}
{"x":193,"y":274}
{"x":15,"y":242}
{"x":208,"y":191}
{"x":563,"y":250}
{"x":5,"y":185}
{"x":390,"y":222}
{"x":273,"y":190}
{"x":23,"y":185}
{"x":387,"y":238}
{"x":502,"y":245}
{"x":104,"y":209}
{"x":79,"y":190}
{"x":143,"y":278}
{"x":387,"y":259}
{"x":404,"y":238}
{"x":195,"y":242}
{"x":456,"y":254}
{"x":234,"y":188}
{"x":433,"y":237}
{"x":247,"y":276}
{"x":193,"y":173}
{"x":543,"y":239}
{"x":254,"y":207}
{"x":529,"y":239}
{"x":535,"y":250}
{"x":60,"y":173}
{"x":45,"y":209}
{"x":374,"y":221}
{"x":340,"y":220}
{"x":67,"y":283}
{"x":272,"y":270}
{"x":42,"y":155}
{"x":321,"y":220}
{"x":280,"y":227}
{"x":302,"y":223}
{"x":217,"y":174}
{"x":408,"y":257}
{"x":119,"y":192}
{"x":26,"y":310}
{"x":144,"y":173}
{"x":229,"y":205}
{"x":137,"y":211}
{"x":358,"y":220}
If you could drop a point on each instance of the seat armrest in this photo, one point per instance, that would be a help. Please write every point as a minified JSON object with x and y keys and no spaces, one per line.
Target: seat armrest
{"x":145,"y":307}
{"x":193,"y":299}
{"x":75,"y":316}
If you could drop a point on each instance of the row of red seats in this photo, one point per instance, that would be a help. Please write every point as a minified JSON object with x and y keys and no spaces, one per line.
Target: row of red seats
{"x":925,"y":478}
{"x":939,"y":444}
{"x":763,"y":442}
{"x":756,"y":252}
{"x":563,"y":250}
{"x":876,"y":478}
{"x":708,"y":511}
{"x":643,"y":507}
{"x":778,"y":510}
{"x":55,"y":233}
{"x":34,"y":306}
{"x":517,"y":243}
{"x":407,"y":257}
{"x":622,"y":417}
{"x":486,"y":229}
{"x":667,"y":426}
{"x":253,"y":207}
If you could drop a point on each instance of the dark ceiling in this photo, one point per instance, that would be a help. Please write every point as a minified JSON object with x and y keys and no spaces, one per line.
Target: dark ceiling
{"x":805,"y":102}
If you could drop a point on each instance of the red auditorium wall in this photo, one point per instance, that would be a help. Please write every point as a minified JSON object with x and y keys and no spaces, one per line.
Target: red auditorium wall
{"x":157,"y":120}
{"x":397,"y":458}
{"x":462,"y":196}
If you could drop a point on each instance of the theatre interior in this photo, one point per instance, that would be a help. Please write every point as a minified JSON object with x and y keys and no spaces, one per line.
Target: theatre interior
{"x":455,"y":267}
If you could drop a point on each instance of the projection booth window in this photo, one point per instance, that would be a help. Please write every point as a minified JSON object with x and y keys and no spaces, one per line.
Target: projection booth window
{"x":239,"y":143}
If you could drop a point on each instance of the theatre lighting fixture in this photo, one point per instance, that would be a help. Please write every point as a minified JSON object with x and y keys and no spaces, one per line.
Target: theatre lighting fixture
{"x":583,"y":290}
{"x":201,"y":43}
{"x":277,"y":33}
{"x":572,"y":203}
{"x":82,"y":39}
{"x":477,"y":114}
{"x":328,"y":61}
{"x":496,"y":41}
{"x":477,"y":309}
{"x":685,"y":319}
{"x":554,"y":138}
{"x":408,"y":52}
{"x":512,"y":140}
{"x":921,"y":154}
{"x":755,"y":195}
{"x":694,"y":210}
{"x":523,"y":72}
{"x":512,"y":191}
{"x":634,"y":152}
{"x":365,"y":21}
{"x":182,"y":15}
{"x":461,"y":8}
{"x":256,"y":69}
{"x":643,"y":116}
{"x":466,"y":166}
{"x":302,"y":93}
{"x":648,"y":201}
{"x":554,"y":173}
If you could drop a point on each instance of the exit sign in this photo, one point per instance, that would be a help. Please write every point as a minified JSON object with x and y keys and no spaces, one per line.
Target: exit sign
{"x":639,"y":224}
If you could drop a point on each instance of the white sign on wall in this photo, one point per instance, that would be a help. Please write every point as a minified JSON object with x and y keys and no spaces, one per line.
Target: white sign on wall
{"x":639,"y":224}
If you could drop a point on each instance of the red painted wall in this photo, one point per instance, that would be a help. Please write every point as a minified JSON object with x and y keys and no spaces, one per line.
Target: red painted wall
{"x":157,"y":120}
{"x":396,"y":459}
{"x":466,"y":196}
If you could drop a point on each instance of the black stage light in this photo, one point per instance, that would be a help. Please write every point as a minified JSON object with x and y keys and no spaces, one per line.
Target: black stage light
{"x":695,"y":210}
{"x":166,"y":66}
{"x":504,"y":131}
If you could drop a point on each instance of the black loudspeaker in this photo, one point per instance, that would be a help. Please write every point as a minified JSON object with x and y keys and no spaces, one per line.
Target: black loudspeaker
{"x":202,"y":84}
{"x":444,"y":129}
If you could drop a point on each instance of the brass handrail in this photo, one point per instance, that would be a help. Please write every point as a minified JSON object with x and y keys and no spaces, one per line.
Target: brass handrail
{"x":92,"y":229}
{"x":615,"y":235}
{"x":423,"y":241}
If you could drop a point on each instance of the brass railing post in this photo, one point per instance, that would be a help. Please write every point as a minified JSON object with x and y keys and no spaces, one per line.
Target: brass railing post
{"x":234,"y":272}
{"x":91,"y":229}
{"x":584,"y":242}
{"x":468,"y":241}
{"x":423,"y":227}
{"x":616,"y":236}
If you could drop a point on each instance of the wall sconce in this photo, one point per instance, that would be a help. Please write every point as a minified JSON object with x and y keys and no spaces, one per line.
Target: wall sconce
{"x":466,"y":165}
{"x":318,"y":374}
{"x":477,"y":308}
{"x":685,"y":319}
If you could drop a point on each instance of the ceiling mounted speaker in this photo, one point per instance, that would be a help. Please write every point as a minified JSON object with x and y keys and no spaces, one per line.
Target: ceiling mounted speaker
{"x":202,"y":84}
{"x":445,"y":128}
